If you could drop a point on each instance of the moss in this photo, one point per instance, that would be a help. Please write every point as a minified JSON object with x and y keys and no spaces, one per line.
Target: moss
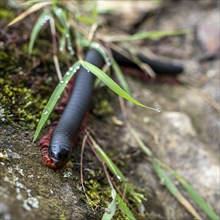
{"x":18,"y":103}
{"x":6,"y":14}
{"x":98,"y":196}
{"x":24,"y":89}
{"x":99,"y":193}
{"x":62,"y":217}
{"x":102,"y":108}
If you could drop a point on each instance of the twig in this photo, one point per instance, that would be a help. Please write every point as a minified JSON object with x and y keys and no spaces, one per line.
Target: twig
{"x":123,"y":109}
{"x":92,"y":31}
{"x":81,"y":168}
{"x":54,"y":45}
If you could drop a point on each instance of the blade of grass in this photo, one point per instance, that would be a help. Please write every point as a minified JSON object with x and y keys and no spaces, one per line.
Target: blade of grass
{"x":95,"y":10}
{"x":29,"y":11}
{"x":84,"y":19}
{"x":62,"y":42}
{"x":193,"y":193}
{"x":55,"y":97}
{"x":61,"y":15}
{"x":111,"y":84}
{"x":124,"y":208}
{"x":86,"y":43}
{"x":173,"y":189}
{"x":156,"y":34}
{"x":140,"y":142}
{"x":112,"y":167}
{"x":146,"y":35}
{"x":199,"y":200}
{"x":31,"y":2}
{"x":43,"y":18}
{"x":120,"y":77}
{"x":110,"y":211}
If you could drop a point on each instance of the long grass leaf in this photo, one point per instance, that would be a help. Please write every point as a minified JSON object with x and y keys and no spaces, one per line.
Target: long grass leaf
{"x":61,"y":15}
{"x":86,"y":43}
{"x":156,"y":34}
{"x":136,"y":136}
{"x":84,"y":19}
{"x":124,"y":208}
{"x":105,"y":158}
{"x":120,"y":77}
{"x":102,"y":51}
{"x":43,"y":18}
{"x":31,"y":2}
{"x":29,"y":11}
{"x":62,"y":42}
{"x":174,"y":190}
{"x":199,"y":200}
{"x":95,"y":10}
{"x":192,"y":193}
{"x":146,"y":35}
{"x":111,"y":84}
{"x":110,"y":211}
{"x":196,"y":197}
{"x":55,"y":97}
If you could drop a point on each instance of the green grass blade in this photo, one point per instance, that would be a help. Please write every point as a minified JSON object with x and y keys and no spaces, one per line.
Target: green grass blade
{"x":165,"y":179}
{"x":43,"y":18}
{"x":84,"y":19}
{"x":196,"y":197}
{"x":69,"y":44}
{"x":62,"y":42}
{"x":156,"y":34}
{"x":120,"y":77}
{"x":102,"y":51}
{"x":105,"y":158}
{"x":95,"y":10}
{"x":110,"y":211}
{"x":86,"y":43}
{"x":199,"y":200}
{"x":173,"y":189}
{"x":141,"y":144}
{"x":111,"y":84}
{"x":32,"y":2}
{"x":55,"y":97}
{"x":61,"y":15}
{"x":192,"y":193}
{"x":124,"y":208}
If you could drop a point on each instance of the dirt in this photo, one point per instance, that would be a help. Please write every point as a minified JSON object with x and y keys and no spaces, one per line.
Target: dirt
{"x":31,"y":191}
{"x":184,"y":135}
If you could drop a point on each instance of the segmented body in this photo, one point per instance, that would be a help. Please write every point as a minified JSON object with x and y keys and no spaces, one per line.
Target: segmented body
{"x":57,"y":145}
{"x":60,"y":146}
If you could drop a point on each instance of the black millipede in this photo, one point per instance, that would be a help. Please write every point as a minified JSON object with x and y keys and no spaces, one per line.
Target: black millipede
{"x":159,"y":67}
{"x":60,"y":147}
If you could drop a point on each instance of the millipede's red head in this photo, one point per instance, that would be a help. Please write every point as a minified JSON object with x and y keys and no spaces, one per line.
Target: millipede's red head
{"x":59,"y":155}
